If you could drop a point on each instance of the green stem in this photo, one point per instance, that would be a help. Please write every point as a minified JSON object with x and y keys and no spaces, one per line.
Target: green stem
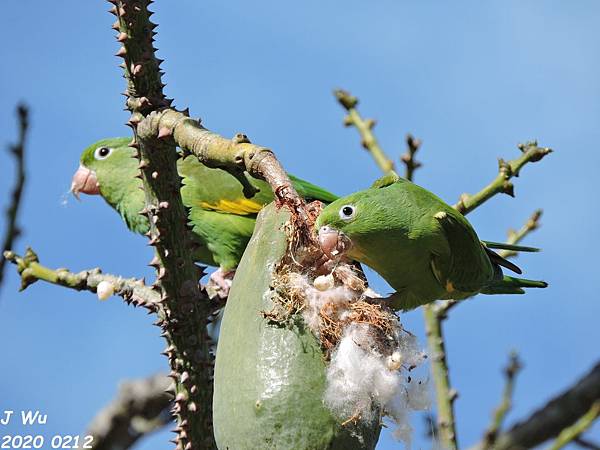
{"x":571,"y":433}
{"x":501,"y":184}
{"x":514,"y":237}
{"x":364,"y":127}
{"x":445,"y":395}
{"x":130,"y":289}
{"x":503,"y":408}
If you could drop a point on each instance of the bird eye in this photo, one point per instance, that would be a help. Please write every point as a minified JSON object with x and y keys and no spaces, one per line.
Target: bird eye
{"x":347,"y":212}
{"x":102,"y":152}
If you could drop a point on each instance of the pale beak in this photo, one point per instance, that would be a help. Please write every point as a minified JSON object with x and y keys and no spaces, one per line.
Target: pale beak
{"x":84,"y":180}
{"x":333,"y":242}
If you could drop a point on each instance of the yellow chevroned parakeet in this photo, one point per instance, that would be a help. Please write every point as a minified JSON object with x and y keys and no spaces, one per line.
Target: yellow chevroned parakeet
{"x":221,"y":217}
{"x":424,"y":248}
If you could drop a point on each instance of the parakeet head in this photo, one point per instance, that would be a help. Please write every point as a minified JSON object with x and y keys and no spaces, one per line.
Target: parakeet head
{"x":345,"y":224}
{"x":101,"y":165}
{"x":108,"y":168}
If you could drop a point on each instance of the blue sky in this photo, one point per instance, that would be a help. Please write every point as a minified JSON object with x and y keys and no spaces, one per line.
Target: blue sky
{"x":472,"y":79}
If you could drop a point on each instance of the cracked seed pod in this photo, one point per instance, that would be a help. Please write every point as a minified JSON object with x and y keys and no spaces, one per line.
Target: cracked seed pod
{"x":270,"y":379}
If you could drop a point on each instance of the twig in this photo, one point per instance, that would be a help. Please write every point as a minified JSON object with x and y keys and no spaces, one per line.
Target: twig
{"x":571,"y":433}
{"x":132,"y":290}
{"x":556,"y":415}
{"x":445,"y":395}
{"x":18,"y":151}
{"x":510,"y":372}
{"x":365,"y":128}
{"x":140,"y":407}
{"x":530,"y":152}
{"x":584,"y":443}
{"x":408,"y":158}
{"x":514,"y":237}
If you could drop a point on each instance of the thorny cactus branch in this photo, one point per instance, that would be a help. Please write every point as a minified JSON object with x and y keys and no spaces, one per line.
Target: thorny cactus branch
{"x":18,"y":151}
{"x":184,"y":311}
{"x":559,"y":413}
{"x":365,"y":128}
{"x":132,"y":290}
{"x":569,"y":434}
{"x":411,"y":164}
{"x":141,"y":407}
{"x":510,"y":372}
{"x":514,"y":237}
{"x":530,"y":152}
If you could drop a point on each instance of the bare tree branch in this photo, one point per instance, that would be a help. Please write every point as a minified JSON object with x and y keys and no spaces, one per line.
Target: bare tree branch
{"x":571,"y":433}
{"x":530,"y":152}
{"x":140,"y":407}
{"x":18,"y":151}
{"x":548,"y":421}
{"x":411,"y":164}
{"x":584,"y":443}
{"x":132,"y":290}
{"x":510,"y":372}
{"x":365,"y":129}
{"x":514,"y":237}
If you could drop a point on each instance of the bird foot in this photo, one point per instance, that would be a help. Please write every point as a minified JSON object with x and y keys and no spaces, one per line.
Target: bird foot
{"x":219,"y":283}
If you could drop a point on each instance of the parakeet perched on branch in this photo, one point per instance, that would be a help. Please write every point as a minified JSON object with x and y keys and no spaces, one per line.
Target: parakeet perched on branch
{"x":424,"y":248}
{"x":221,"y":217}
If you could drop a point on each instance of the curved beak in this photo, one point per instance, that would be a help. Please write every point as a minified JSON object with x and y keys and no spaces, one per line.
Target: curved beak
{"x":333,"y":242}
{"x":84,"y":180}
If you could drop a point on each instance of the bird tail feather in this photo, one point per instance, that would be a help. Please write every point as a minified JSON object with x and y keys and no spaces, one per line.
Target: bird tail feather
{"x":513,"y":247}
{"x":512,"y":285}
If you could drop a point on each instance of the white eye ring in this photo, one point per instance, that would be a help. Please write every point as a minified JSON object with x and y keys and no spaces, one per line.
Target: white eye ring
{"x":347,"y":212}
{"x":102,"y":152}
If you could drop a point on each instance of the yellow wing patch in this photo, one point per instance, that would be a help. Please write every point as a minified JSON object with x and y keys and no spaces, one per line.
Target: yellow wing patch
{"x":240,"y":206}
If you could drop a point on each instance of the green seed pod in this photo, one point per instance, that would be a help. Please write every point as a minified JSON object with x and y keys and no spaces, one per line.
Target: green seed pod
{"x":270,"y":377}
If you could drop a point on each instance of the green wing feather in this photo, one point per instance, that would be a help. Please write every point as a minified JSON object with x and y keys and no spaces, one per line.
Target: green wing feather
{"x":468,"y":267}
{"x":513,"y":247}
{"x":216,"y":189}
{"x":221,"y":216}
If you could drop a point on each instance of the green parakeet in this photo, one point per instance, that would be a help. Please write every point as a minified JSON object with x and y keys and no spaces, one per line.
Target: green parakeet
{"x":221,"y":217}
{"x":424,"y":248}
